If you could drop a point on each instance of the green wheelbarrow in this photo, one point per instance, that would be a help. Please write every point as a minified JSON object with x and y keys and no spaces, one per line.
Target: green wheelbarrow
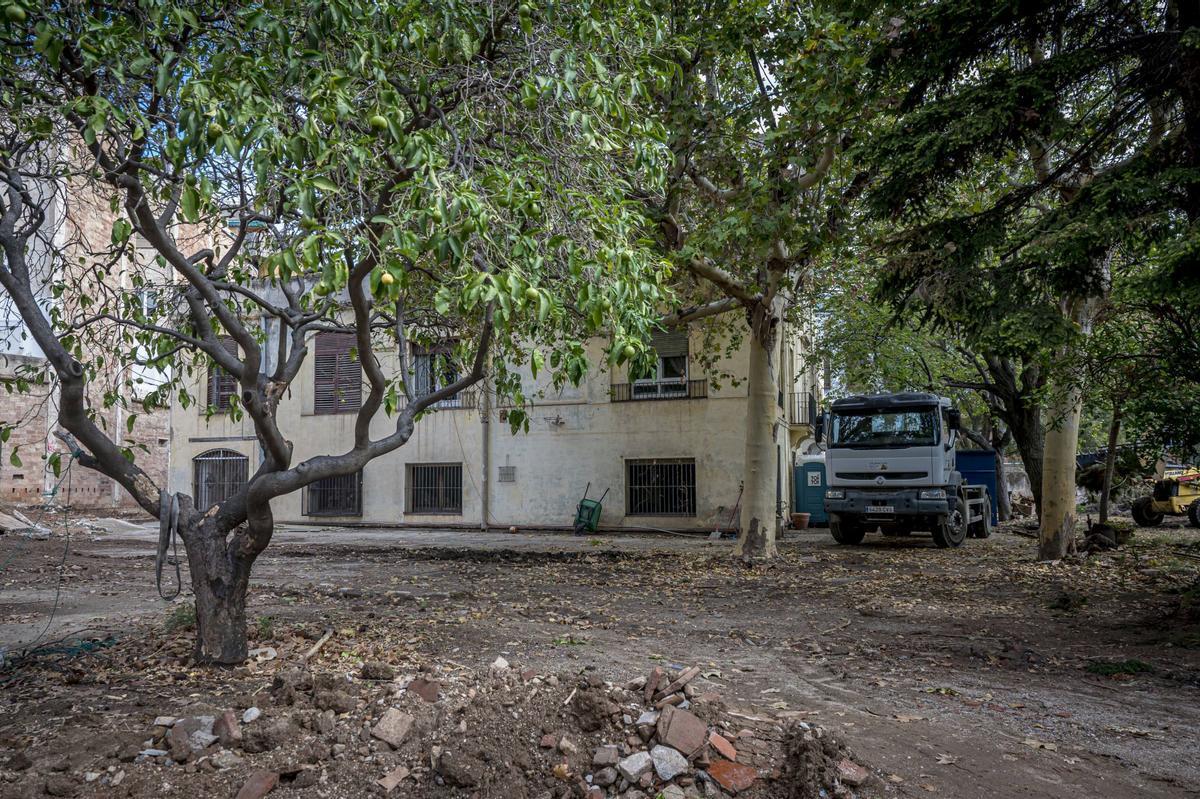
{"x":587,"y":513}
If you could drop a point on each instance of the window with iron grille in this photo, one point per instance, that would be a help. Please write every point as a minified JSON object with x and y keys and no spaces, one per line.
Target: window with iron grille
{"x":433,"y":488}
{"x":221,"y":385}
{"x":217,"y":475}
{"x":434,"y":369}
{"x":660,"y":487}
{"x":338,"y":374}
{"x":334,"y":496}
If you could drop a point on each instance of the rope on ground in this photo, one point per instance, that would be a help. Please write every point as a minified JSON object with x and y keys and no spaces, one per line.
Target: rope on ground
{"x":168,"y":536}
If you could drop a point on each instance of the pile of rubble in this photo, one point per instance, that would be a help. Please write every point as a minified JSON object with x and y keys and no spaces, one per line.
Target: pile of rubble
{"x":450,"y":732}
{"x":13,"y":521}
{"x":670,"y":752}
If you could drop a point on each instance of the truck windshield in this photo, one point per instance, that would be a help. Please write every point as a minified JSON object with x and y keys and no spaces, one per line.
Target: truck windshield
{"x":866,"y":429}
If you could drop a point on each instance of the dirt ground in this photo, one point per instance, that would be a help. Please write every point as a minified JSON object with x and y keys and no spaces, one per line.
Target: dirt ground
{"x":955,"y":673}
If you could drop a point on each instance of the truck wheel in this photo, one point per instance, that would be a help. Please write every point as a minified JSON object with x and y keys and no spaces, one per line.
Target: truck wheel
{"x":983,"y":527}
{"x":1144,"y":514}
{"x":950,"y":530}
{"x":1194,"y":513}
{"x":846,"y":531}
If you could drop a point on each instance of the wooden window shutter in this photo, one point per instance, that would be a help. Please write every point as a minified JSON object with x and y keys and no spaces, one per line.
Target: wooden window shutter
{"x":222,"y":385}
{"x":670,"y":343}
{"x":338,"y":384}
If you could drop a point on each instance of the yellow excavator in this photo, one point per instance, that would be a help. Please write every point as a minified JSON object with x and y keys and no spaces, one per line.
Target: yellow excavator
{"x":1176,"y":493}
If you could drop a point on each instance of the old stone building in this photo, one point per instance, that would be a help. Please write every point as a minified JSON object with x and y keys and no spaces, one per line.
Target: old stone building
{"x":668,"y":446}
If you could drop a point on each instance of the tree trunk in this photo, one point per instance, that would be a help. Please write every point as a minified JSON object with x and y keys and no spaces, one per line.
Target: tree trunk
{"x":220,"y":579}
{"x":1003,"y":501}
{"x":759,"y":513}
{"x":1064,"y":407}
{"x":1030,"y":437}
{"x":1057,"y":536}
{"x":1110,"y":462}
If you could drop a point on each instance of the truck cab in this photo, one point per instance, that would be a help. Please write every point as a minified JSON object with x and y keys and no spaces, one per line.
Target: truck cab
{"x":890,"y":464}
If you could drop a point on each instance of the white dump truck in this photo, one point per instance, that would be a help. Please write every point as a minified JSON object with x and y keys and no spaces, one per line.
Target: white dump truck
{"x":890,"y":464}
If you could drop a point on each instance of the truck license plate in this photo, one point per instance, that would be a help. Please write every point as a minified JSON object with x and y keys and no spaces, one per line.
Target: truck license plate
{"x":881,"y":509}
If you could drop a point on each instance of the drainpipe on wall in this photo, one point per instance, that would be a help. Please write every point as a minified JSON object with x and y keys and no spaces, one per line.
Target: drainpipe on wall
{"x":485,"y":413}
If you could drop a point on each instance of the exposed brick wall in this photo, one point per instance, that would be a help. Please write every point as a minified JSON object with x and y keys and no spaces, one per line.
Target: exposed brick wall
{"x":25,"y":486}
{"x":22,"y":485}
{"x":87,"y":225}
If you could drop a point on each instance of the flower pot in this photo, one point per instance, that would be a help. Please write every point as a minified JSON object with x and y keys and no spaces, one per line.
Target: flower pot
{"x":800,"y":520}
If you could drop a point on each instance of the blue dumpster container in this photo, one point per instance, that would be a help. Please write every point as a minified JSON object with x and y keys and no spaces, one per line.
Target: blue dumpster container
{"x":809,"y":483}
{"x":978,"y":467}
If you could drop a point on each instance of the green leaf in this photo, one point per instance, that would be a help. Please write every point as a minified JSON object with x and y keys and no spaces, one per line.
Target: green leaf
{"x":189,"y":203}
{"x":15,"y":459}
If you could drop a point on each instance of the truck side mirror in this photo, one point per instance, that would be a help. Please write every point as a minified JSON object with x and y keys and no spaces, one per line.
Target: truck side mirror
{"x":819,"y":428}
{"x":954,"y":417}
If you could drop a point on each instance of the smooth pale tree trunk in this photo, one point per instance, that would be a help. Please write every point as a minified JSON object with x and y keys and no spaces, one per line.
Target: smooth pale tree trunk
{"x":1110,"y":462}
{"x":1057,"y":536}
{"x":759,"y":512}
{"x":1063,"y":408}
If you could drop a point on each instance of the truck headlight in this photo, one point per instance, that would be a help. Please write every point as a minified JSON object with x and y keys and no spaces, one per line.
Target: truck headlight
{"x":835,"y":493}
{"x":933,"y":493}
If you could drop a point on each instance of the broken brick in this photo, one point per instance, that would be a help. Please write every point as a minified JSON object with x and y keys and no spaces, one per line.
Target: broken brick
{"x":681,"y":730}
{"x":723,"y":747}
{"x":259,"y":785}
{"x":656,"y":676}
{"x":733,"y":777}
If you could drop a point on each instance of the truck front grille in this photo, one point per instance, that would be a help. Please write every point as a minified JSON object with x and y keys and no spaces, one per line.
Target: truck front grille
{"x":884,"y":475}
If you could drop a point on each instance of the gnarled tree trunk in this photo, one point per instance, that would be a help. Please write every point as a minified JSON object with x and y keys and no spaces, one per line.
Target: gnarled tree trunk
{"x":1024,"y":419}
{"x":220,"y":609}
{"x":759,"y":512}
{"x":219,"y":562}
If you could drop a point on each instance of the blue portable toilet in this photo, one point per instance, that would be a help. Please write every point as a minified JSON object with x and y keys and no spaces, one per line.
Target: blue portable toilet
{"x":809,"y":488}
{"x":978,"y":467}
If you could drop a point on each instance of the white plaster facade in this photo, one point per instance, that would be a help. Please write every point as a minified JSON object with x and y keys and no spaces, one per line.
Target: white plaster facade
{"x":576,"y":437}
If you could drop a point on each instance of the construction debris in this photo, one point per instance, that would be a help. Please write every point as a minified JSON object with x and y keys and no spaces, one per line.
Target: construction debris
{"x":506,"y":731}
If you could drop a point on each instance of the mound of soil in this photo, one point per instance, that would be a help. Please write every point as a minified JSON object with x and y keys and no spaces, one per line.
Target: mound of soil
{"x":432,"y":731}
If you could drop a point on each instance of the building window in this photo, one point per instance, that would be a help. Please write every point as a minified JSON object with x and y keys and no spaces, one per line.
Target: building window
{"x":217,"y":475}
{"x":660,"y":487}
{"x":669,"y":374}
{"x":338,"y":374}
{"x":334,"y":496}
{"x":434,"y":369}
{"x":433,"y":488}
{"x":222,"y":386}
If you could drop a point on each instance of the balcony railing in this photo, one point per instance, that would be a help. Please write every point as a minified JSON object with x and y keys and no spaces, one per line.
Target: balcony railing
{"x":802,"y":408}
{"x":659,"y":390}
{"x":468,"y":398}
